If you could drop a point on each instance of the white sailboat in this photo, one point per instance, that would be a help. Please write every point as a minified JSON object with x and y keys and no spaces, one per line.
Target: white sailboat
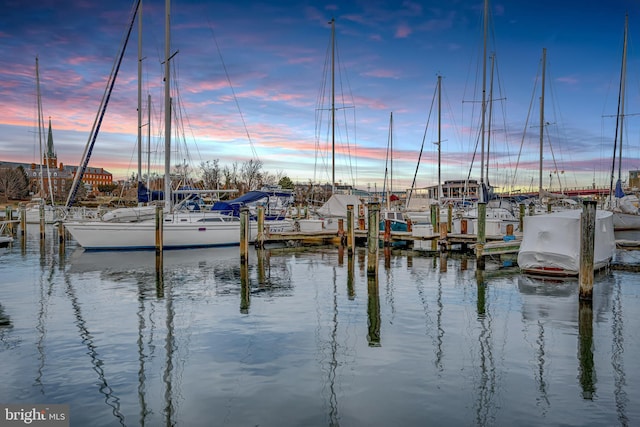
{"x":37,"y":205}
{"x":181,"y":228}
{"x":625,"y":208}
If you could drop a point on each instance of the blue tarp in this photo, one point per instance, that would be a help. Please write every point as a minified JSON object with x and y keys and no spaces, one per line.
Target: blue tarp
{"x":619,"y":193}
{"x":233,"y":206}
{"x":146,"y":196}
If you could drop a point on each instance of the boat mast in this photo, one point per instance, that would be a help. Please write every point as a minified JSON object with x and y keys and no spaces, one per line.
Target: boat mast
{"x":149,"y":147}
{"x":40,"y":124}
{"x":167,"y":108}
{"x":484,"y":100}
{"x":620,"y":118}
{"x":490,"y":115}
{"x":139,"y":94}
{"x":439,"y":137}
{"x":333,"y":105}
{"x":544,"y":61}
{"x":389,"y":191}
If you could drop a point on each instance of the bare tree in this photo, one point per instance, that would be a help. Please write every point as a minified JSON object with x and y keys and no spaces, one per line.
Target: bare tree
{"x":211,"y":174}
{"x":231,"y":181}
{"x":14,"y":183}
{"x":251,"y":174}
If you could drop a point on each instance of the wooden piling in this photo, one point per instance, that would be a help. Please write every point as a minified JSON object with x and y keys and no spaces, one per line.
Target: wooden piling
{"x":531,"y":209}
{"x":509,"y":229}
{"x":350,"y":230}
{"x":260,"y":237}
{"x":442,"y":242}
{"x":23,"y":220}
{"x":587,"y":245}
{"x":373,"y":234}
{"x":482,"y":220}
{"x":449,"y":217}
{"x":159,"y":230}
{"x":387,"y":232}
{"x":361,"y":223}
{"x":521,"y":218}
{"x":244,"y":234}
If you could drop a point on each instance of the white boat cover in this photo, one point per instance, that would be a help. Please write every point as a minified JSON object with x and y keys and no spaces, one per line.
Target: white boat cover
{"x":552,"y":241}
{"x":336,"y":206}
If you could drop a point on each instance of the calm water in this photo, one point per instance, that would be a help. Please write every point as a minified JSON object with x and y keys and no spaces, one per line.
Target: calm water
{"x":306,"y":338}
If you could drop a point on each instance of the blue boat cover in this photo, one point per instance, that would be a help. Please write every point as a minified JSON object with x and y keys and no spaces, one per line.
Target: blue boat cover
{"x":619,"y":193}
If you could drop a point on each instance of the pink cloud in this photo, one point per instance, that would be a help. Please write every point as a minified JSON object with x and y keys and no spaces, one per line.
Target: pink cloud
{"x":403,"y":31}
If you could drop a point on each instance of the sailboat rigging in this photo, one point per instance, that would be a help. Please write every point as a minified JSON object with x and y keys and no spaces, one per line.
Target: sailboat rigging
{"x":626,"y":212}
{"x":182,"y":227}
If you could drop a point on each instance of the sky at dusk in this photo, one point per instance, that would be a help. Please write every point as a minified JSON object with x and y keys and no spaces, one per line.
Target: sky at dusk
{"x":250,"y":82}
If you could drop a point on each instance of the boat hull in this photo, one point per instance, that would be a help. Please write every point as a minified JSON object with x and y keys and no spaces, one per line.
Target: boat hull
{"x":626,"y":221}
{"x":551,"y":243}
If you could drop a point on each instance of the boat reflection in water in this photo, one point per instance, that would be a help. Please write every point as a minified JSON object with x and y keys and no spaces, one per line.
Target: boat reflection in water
{"x":552,"y":306}
{"x":308,"y":337}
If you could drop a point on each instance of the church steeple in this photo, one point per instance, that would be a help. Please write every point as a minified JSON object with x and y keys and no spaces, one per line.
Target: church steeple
{"x":51,"y":158}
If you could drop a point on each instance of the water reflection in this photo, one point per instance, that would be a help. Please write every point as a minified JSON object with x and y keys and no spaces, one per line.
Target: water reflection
{"x":92,"y":350}
{"x":373,"y":311}
{"x":586,"y":369}
{"x":486,"y":383}
{"x":617,"y":356}
{"x":452,"y":349}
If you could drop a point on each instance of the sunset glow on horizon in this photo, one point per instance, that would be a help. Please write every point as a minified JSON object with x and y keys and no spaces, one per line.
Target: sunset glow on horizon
{"x":250,"y":81}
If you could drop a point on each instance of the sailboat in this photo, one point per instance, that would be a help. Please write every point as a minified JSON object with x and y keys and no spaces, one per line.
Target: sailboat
{"x":625,"y":208}
{"x":38,"y":204}
{"x":182,"y":228}
{"x":394,"y":215}
{"x":551,"y":241}
{"x":335,"y":208}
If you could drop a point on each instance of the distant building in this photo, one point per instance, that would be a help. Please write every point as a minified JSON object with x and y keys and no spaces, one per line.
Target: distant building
{"x":634,"y":179}
{"x":58,"y":178}
{"x":454,"y":190}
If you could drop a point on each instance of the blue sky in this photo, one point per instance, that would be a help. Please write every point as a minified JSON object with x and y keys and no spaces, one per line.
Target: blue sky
{"x":250,"y":75}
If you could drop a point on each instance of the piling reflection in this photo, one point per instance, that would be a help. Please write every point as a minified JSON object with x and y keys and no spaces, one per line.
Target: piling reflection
{"x":617,"y":356}
{"x":351,"y":290}
{"x":585,"y":349}
{"x":245,"y":288}
{"x":486,"y":382}
{"x":373,"y":311}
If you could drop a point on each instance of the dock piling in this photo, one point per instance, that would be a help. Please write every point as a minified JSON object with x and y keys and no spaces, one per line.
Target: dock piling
{"x":587,"y":245}
{"x":373,"y":234}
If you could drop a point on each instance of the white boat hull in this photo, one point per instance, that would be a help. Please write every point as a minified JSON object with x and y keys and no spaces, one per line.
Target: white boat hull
{"x":179,"y":232}
{"x":626,"y":221}
{"x":551,"y":243}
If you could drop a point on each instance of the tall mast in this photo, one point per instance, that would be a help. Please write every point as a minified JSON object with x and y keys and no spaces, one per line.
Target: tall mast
{"x":544,"y":61}
{"x":622,"y":92}
{"x":40,"y":124}
{"x":389,"y":190}
{"x":333,"y":105}
{"x":139,"y":94}
{"x":484,"y":96}
{"x":439,"y":137}
{"x":167,"y":108}
{"x":149,"y":145}
{"x":620,"y":116}
{"x":490,"y":115}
